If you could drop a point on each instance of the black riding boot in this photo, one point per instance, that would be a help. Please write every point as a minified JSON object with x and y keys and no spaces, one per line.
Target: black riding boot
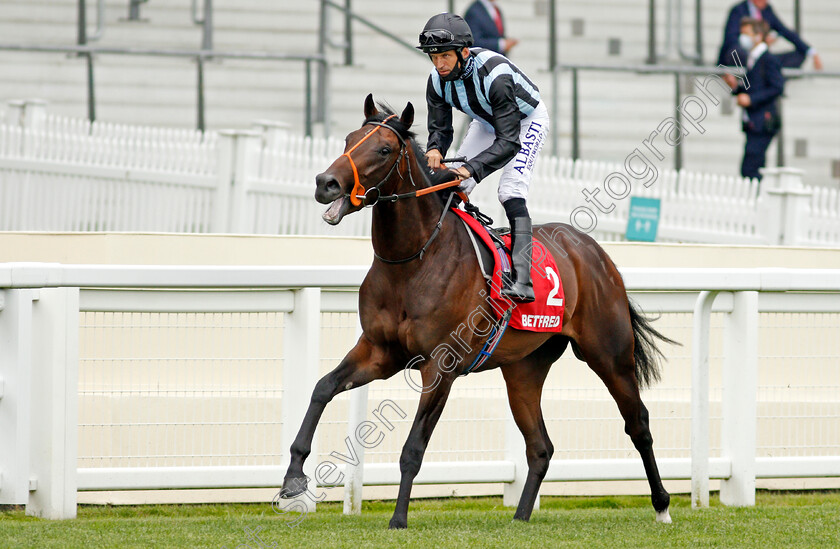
{"x":521,"y":288}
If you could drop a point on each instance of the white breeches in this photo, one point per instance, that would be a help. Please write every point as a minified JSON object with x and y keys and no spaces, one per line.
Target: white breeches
{"x":516,"y":174}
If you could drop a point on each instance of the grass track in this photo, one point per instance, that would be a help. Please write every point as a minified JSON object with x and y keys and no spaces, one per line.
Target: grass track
{"x":779,"y":520}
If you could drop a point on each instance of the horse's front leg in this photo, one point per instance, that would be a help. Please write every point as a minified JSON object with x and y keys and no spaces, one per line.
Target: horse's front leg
{"x":429,"y":409}
{"x":363,"y":364}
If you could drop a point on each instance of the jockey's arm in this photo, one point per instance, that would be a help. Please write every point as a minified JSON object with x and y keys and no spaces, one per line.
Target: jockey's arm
{"x":506,"y":123}
{"x":439,"y":121}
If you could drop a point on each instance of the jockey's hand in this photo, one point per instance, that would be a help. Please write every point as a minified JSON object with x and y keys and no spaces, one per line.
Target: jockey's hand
{"x":433,"y":158}
{"x":461,"y":172}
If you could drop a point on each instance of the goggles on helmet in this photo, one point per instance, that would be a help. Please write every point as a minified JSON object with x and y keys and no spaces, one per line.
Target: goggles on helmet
{"x":436,"y":37}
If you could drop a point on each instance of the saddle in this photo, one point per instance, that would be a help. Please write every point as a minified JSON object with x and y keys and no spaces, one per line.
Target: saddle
{"x":492,"y":250}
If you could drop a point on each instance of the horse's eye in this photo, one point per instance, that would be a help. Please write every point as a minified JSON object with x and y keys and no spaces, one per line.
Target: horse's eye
{"x":385,"y":151}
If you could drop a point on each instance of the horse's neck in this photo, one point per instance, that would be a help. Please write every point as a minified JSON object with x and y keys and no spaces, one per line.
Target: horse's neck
{"x":400,"y":229}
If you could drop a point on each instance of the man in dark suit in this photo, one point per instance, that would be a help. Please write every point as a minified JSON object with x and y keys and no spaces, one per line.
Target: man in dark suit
{"x":488,"y":27}
{"x":761,"y":10}
{"x":762,"y":86}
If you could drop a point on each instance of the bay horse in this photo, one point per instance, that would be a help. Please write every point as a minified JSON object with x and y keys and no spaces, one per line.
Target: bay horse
{"x":425,"y":285}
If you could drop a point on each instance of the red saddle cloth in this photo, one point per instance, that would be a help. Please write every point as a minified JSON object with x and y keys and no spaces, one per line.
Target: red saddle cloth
{"x":545,"y":313}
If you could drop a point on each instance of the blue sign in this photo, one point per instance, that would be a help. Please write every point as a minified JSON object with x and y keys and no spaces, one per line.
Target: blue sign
{"x":644,"y":219}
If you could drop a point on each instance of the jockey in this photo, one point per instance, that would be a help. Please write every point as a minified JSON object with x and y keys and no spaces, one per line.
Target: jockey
{"x":508,"y":128}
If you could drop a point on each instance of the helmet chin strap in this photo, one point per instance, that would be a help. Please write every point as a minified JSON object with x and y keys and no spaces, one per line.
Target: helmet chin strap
{"x":456,"y":72}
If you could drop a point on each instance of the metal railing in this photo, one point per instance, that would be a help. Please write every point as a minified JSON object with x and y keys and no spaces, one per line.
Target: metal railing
{"x":41,"y":324}
{"x":350,"y":16}
{"x":675,"y":6}
{"x":312,"y":112}
{"x":678,"y":72}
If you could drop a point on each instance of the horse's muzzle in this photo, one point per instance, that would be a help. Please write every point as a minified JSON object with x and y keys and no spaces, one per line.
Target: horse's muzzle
{"x":327,"y":188}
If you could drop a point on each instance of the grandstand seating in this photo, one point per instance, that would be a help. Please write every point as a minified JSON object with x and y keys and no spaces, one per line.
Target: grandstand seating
{"x":617,"y":111}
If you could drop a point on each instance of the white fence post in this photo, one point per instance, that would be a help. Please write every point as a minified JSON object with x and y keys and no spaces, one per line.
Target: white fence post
{"x":700,"y":400}
{"x":301,"y":344}
{"x":15,"y":406}
{"x":354,"y":481}
{"x":34,"y":114}
{"x":14,"y":112}
{"x":784,"y":206}
{"x":226,"y":161}
{"x":55,"y":390}
{"x":515,"y":452}
{"x":271,"y":131}
{"x":237,"y":152}
{"x":247,"y":163}
{"x":797,"y":199}
{"x":740,"y":380}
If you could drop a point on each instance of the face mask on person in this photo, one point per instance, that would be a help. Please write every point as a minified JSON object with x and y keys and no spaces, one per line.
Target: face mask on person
{"x":746,"y":41}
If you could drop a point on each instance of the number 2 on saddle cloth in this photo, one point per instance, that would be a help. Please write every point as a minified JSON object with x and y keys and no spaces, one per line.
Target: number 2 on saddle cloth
{"x":544,"y":314}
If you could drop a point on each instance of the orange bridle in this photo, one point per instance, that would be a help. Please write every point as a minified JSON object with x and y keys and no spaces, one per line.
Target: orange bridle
{"x":358,"y":190}
{"x":359,"y":193}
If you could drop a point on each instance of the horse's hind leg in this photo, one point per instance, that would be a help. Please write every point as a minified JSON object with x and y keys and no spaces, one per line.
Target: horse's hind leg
{"x":619,"y":375}
{"x":363,"y":364}
{"x":524,"y":382}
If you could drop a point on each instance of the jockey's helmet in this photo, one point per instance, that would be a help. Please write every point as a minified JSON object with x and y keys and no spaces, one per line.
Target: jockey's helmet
{"x":445,"y":32}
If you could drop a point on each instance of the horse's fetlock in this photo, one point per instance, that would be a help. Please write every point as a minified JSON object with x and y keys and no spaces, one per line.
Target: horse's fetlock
{"x":299,"y":451}
{"x":660,"y":501}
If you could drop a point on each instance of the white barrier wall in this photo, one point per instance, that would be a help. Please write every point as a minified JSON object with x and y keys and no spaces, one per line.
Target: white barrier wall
{"x":59,"y":174}
{"x":185,"y":388}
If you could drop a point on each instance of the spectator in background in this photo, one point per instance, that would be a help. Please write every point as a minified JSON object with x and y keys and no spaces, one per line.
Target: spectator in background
{"x":764,"y":85}
{"x":761,"y":10}
{"x":488,"y":26}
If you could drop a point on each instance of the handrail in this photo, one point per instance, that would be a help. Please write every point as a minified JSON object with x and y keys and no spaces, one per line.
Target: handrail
{"x":206,"y":21}
{"x":686,"y":69}
{"x":677,"y":71}
{"x":100,"y":21}
{"x":201,"y":56}
{"x":204,"y":54}
{"x":194,"y":12}
{"x":697,"y":57}
{"x":636,"y":279}
{"x":371,"y":25}
{"x":134,"y":9}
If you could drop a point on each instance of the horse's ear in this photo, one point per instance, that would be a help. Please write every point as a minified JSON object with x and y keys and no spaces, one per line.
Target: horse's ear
{"x":370,"y":106}
{"x":407,"y":116}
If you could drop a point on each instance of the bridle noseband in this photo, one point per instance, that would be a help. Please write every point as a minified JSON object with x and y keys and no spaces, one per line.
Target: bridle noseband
{"x":359,"y":196}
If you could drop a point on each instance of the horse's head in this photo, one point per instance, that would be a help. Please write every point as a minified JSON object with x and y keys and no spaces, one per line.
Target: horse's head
{"x":371,"y":156}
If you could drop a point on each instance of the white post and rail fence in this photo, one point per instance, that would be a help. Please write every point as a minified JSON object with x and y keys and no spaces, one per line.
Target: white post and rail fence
{"x":61,"y":174}
{"x":40,"y":385}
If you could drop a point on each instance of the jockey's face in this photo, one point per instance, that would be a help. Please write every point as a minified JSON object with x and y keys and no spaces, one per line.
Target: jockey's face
{"x":445,"y":62}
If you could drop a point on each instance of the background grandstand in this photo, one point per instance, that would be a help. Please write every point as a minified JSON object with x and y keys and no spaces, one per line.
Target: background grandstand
{"x":617,"y":110}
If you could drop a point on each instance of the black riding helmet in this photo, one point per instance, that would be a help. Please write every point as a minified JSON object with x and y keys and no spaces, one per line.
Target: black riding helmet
{"x":445,"y":32}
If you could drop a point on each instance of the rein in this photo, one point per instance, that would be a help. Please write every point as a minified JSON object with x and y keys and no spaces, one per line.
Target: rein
{"x":358,"y":199}
{"x":422,"y":250}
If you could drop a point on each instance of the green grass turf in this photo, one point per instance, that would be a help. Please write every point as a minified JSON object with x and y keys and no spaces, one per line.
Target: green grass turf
{"x":810,"y":519}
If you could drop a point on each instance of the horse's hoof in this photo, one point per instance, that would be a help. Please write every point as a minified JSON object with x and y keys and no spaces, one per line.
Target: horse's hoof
{"x":663,"y":516}
{"x":397,"y":524}
{"x":293,"y":486}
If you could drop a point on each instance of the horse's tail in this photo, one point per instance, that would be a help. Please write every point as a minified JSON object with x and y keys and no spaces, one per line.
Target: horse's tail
{"x":645,"y":352}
